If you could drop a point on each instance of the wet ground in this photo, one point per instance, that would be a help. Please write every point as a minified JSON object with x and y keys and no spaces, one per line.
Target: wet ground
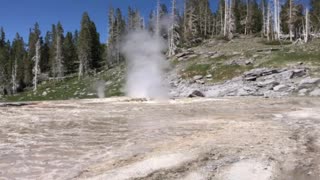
{"x":121,"y":138}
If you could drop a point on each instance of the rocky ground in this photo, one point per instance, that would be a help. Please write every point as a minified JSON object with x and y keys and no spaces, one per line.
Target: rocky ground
{"x":121,"y":138}
{"x":246,"y":67}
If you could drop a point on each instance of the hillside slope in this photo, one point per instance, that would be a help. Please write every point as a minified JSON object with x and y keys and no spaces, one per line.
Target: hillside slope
{"x":241,"y":67}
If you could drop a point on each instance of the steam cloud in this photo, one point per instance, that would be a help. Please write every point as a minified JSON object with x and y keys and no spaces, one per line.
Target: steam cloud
{"x":100,"y":87}
{"x":145,"y":65}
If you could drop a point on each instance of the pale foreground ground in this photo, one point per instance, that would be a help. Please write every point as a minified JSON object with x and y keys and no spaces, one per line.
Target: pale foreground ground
{"x":223,"y":139}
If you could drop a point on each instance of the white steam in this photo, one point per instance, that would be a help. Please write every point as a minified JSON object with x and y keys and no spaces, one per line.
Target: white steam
{"x":145,"y":65}
{"x":100,"y":87}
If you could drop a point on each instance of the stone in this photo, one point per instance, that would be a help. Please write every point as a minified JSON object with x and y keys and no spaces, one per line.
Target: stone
{"x":211,"y":53}
{"x":200,"y":81}
{"x":196,"y":93}
{"x":315,"y":92}
{"x":280,"y":88}
{"x":298,"y":73}
{"x":271,"y":83}
{"x":309,"y":82}
{"x":260,"y":72}
{"x":182,"y":54}
{"x":181,"y":58}
{"x":215,"y":56}
{"x":303,"y":92}
{"x":255,"y":55}
{"x":197,"y":77}
{"x":44,"y":93}
{"x":192,"y":56}
{"x":250,"y":78}
{"x":209,"y":76}
{"x":248,"y":62}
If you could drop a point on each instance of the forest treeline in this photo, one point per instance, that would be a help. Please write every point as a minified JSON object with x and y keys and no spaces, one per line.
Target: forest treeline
{"x":56,"y":54}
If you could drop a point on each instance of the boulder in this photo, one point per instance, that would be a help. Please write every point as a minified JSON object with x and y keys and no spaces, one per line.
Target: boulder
{"x":200,"y":81}
{"x":197,"y":77}
{"x":303,"y":92}
{"x":309,"y":82}
{"x":298,"y":73}
{"x":315,"y":92}
{"x":260,"y":72}
{"x":192,"y":56}
{"x":196,"y":93}
{"x":183,"y":54}
{"x":268,"y":83}
{"x":181,"y":58}
{"x":248,"y":62}
{"x":44,"y":93}
{"x":250,"y":78}
{"x":281,"y":88}
{"x":209,"y":76}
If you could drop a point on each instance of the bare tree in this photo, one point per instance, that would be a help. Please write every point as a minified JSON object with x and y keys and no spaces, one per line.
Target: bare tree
{"x":290,"y":19}
{"x":14,"y":77}
{"x":247,"y":19}
{"x":36,"y":67}
{"x":276,"y":11}
{"x":226,"y":17}
{"x":268,"y":21}
{"x":172,"y":34}
{"x":307,"y":28}
{"x":59,"y":56}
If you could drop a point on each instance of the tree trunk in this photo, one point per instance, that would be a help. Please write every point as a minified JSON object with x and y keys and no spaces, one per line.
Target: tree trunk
{"x":290,"y":20}
{"x":247,"y":19}
{"x":268,"y":21}
{"x":14,"y":77}
{"x":225,"y":17}
{"x":36,"y":68}
{"x":307,"y":28}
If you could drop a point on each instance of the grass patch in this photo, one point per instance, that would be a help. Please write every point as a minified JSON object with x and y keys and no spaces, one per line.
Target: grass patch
{"x":220,"y":58}
{"x":275,"y":43}
{"x":227,"y":72}
{"x":281,"y":59}
{"x":196,"y":69}
{"x":72,"y":88}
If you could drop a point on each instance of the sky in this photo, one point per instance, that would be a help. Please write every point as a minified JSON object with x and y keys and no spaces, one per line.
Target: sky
{"x":21,"y":15}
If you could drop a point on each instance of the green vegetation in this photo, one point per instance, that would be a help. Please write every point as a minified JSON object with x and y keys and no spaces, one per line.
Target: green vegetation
{"x":280,"y":59}
{"x":196,"y":69}
{"x":276,"y":43}
{"x":226,"y":72}
{"x":72,"y":88}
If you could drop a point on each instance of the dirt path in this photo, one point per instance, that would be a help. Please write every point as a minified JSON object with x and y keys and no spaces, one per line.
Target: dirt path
{"x":223,"y":139}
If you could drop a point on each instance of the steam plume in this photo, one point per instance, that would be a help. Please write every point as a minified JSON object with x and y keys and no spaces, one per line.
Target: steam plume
{"x":145,"y":65}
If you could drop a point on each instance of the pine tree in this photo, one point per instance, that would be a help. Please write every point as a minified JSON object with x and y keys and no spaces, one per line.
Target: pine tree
{"x":5,"y":71}
{"x":17,"y":56}
{"x":315,"y":15}
{"x":45,"y":53}
{"x":59,"y":59}
{"x":84,"y":46}
{"x":95,"y":47}
{"x":117,"y":28}
{"x":69,"y":53}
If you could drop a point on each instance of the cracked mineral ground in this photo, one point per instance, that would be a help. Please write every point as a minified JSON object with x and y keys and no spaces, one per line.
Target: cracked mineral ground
{"x":122,"y":138}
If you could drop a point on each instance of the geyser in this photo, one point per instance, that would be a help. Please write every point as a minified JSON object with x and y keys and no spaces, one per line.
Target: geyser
{"x":146,"y":64}
{"x":100,"y":87}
